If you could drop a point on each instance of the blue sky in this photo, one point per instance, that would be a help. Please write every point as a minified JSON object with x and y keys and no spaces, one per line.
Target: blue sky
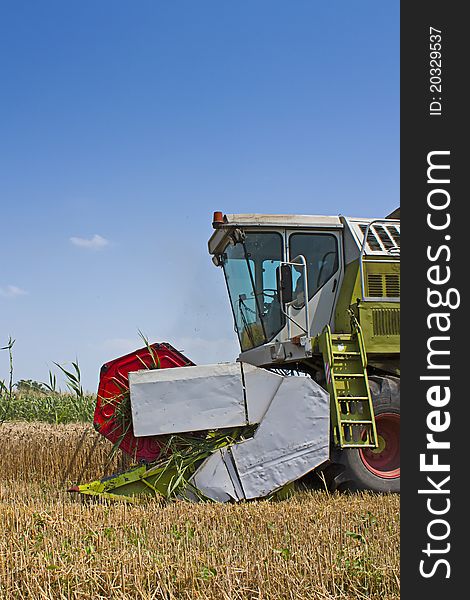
{"x":124,"y":125}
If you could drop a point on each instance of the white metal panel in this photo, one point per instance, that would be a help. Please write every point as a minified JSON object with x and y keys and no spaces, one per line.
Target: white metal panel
{"x":320,"y":308}
{"x":292,"y":439}
{"x":167,"y":401}
{"x":214,"y":480}
{"x":265,"y":220}
{"x":260,"y":387}
{"x":217,"y":240}
{"x":232,"y":471}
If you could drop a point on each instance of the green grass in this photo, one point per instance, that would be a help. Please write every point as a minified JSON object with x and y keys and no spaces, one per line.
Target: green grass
{"x":47,"y":407}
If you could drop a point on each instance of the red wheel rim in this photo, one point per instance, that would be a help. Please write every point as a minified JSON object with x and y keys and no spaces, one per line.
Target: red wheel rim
{"x":384,"y":461}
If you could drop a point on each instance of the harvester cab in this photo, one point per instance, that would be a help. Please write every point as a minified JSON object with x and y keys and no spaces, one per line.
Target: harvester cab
{"x":290,"y":276}
{"x":315,"y":302}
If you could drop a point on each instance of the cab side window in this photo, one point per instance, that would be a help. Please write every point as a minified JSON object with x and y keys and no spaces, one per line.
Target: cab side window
{"x":321,"y":253}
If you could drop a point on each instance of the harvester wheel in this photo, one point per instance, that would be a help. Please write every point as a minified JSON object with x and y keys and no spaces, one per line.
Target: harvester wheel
{"x":372,"y":469}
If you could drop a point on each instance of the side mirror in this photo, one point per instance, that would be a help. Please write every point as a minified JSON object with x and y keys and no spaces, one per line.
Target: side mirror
{"x":284,"y":283}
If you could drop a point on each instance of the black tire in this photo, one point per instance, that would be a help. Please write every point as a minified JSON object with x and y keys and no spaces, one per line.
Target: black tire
{"x":352,"y":469}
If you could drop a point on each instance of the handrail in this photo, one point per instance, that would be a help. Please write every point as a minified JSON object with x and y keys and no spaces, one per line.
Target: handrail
{"x":302,"y":263}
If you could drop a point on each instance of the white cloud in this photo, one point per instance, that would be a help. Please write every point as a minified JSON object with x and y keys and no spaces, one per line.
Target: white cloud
{"x":95,"y":243}
{"x":12,"y":291}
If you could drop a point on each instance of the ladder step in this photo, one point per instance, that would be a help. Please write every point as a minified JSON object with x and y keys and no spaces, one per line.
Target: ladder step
{"x":356,"y":445}
{"x":348,"y":375}
{"x":343,"y":355}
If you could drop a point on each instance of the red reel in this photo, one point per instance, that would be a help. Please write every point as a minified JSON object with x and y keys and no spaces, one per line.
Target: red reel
{"x":109,"y":419}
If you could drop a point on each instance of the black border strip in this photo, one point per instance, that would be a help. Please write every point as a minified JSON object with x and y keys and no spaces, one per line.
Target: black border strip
{"x":434,"y":567}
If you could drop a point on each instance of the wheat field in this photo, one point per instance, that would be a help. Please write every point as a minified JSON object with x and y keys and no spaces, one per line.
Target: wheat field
{"x":54,"y":545}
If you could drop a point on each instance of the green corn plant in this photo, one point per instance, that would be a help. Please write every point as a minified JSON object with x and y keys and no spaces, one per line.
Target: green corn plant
{"x":153,"y":355}
{"x":73,"y":380}
{"x":6,"y":392}
{"x":52,"y":385}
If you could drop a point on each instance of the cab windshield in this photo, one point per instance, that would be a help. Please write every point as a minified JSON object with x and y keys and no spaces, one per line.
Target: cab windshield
{"x":250,"y":271}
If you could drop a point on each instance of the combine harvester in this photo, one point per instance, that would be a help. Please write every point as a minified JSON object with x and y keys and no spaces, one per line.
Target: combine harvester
{"x":316,"y":387}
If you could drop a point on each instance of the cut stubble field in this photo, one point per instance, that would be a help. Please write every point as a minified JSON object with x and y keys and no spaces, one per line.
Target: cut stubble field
{"x":54,"y":545}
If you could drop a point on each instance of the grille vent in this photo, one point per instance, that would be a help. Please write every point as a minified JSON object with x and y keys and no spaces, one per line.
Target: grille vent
{"x":381,"y":285}
{"x":392,"y":286}
{"x":386,"y":321}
